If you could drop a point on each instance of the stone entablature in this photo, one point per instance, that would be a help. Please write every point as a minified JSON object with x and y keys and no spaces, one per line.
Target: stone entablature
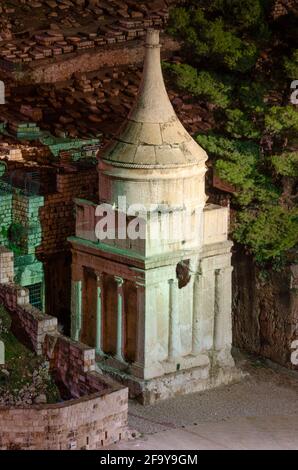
{"x":214,"y":229}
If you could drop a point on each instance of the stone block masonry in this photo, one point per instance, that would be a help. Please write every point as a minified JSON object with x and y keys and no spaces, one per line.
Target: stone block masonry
{"x":5,"y":215}
{"x":33,"y":323}
{"x":20,"y":230}
{"x":26,"y":214}
{"x":61,"y":69}
{"x":19,"y":224}
{"x":96,"y":414}
{"x":36,"y":227}
{"x":73,"y":364}
{"x":6,"y":265}
{"x":57,"y":216}
{"x":88,"y":423}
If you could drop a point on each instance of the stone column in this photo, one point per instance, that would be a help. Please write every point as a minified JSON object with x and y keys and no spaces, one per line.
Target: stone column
{"x":223,"y":307}
{"x":174,"y":339}
{"x":99,"y":312}
{"x":203,"y":312}
{"x":120,"y":317}
{"x":140,"y":352}
{"x":197,"y":311}
{"x":76,"y":309}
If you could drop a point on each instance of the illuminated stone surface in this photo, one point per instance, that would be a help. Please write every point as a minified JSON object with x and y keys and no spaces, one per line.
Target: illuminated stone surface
{"x":165,"y":304}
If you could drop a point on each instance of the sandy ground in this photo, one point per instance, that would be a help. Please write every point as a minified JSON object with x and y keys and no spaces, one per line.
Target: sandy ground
{"x":260,"y":412}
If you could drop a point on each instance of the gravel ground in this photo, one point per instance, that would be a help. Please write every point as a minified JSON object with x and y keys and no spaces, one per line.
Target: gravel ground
{"x":265,"y":392}
{"x":260,"y":412}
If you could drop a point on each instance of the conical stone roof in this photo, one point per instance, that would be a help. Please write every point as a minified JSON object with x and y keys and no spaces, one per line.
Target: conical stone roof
{"x":152,"y":135}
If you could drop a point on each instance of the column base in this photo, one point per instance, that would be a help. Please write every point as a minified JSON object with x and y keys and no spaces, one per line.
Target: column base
{"x":114,"y":362}
{"x":99,"y":352}
{"x":186,"y":362}
{"x":223,"y":358}
{"x":170,"y":365}
{"x":170,"y":385}
{"x":146,"y":373}
{"x":120,"y":359}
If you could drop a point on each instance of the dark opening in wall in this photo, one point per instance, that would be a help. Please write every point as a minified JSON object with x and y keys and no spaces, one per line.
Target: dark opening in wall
{"x":35,"y":295}
{"x":183,"y":273}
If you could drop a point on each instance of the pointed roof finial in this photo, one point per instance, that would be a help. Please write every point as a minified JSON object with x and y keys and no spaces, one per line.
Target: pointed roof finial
{"x":153,"y":104}
{"x":153,"y":135}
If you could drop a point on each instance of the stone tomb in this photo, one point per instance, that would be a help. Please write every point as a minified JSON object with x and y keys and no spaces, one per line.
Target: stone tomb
{"x":157,"y":308}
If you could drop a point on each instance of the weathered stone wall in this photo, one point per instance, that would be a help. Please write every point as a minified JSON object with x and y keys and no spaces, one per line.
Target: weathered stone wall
{"x":87,"y":423}
{"x":6,"y":265}
{"x":34,"y":324}
{"x":25,"y":210}
{"x":265,"y":310}
{"x":42,"y":225}
{"x":5,"y":215}
{"x":71,"y":363}
{"x":57,"y":216}
{"x":20,"y":228}
{"x":98,"y":414}
{"x":60,"y":69}
{"x":57,"y":219}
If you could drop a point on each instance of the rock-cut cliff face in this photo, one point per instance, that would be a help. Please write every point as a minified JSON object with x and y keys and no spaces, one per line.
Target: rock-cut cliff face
{"x":265,"y":311}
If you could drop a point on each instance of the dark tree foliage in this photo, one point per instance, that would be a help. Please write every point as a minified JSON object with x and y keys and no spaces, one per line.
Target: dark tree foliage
{"x":240,"y":60}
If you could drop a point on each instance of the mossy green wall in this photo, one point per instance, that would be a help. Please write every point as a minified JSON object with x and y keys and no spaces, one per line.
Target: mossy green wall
{"x":21,"y":232}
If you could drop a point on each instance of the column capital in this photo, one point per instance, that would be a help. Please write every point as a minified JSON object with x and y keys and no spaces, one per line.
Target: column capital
{"x":119,"y":280}
{"x":140,"y":283}
{"x":99,"y":276}
{"x":224,"y":269}
{"x":77,"y":273}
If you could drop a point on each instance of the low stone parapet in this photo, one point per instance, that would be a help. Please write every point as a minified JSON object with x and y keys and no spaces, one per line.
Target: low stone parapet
{"x":96,"y":414}
{"x":90,"y":422}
